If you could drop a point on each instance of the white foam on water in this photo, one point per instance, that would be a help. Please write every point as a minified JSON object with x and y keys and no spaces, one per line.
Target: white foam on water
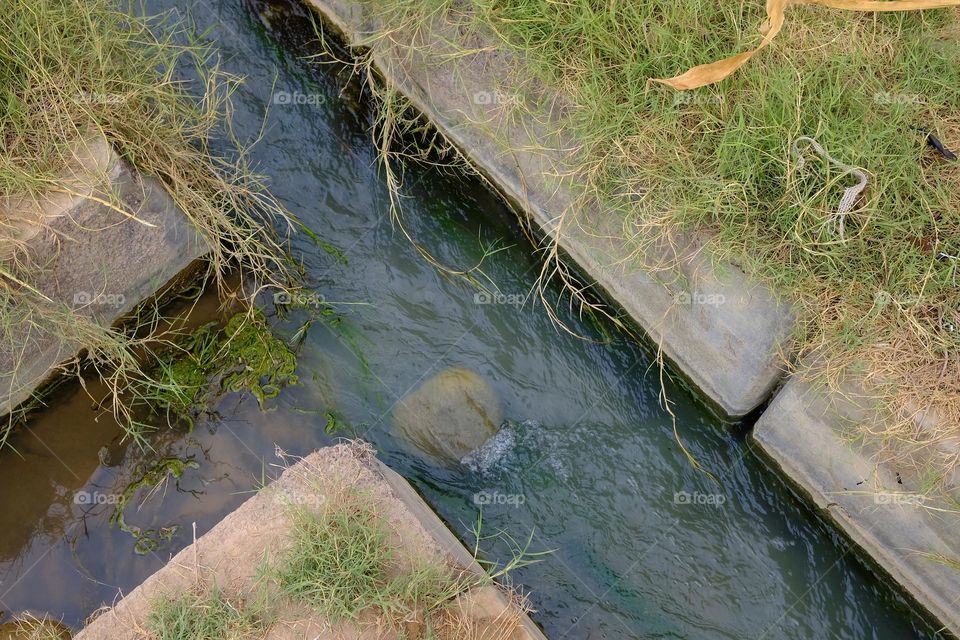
{"x":501,"y":450}
{"x":492,"y":451}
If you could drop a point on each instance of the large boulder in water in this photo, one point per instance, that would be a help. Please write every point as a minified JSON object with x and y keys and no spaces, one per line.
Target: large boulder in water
{"x":449,"y":415}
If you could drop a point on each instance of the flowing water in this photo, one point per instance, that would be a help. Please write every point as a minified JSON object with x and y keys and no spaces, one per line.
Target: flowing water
{"x":643,"y":545}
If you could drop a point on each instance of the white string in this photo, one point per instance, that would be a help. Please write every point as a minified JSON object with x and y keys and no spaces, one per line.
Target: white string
{"x":956,"y":261}
{"x":850,"y":194}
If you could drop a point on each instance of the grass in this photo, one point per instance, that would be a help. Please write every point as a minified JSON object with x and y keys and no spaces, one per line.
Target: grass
{"x":70,"y":69}
{"x":338,"y":563}
{"x":27,"y":626}
{"x":344,"y":563}
{"x":207,"y":614}
{"x":947,"y":561}
{"x":879,"y":300}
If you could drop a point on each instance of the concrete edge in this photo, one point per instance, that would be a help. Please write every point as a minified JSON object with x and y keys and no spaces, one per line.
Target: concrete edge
{"x":443,"y":536}
{"x":93,"y":250}
{"x":877,"y":503}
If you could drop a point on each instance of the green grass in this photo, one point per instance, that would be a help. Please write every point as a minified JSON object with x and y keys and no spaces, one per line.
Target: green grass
{"x":74,"y":68}
{"x":207,"y":615}
{"x":347,"y":564}
{"x":343,"y":563}
{"x":883,"y":299}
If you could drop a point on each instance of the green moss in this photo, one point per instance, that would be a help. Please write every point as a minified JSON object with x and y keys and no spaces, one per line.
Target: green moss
{"x":148,"y":540}
{"x":243,"y":356}
{"x":257,"y":360}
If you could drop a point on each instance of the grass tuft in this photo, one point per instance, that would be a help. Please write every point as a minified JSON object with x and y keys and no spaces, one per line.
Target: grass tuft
{"x":207,"y":615}
{"x":343,"y":563}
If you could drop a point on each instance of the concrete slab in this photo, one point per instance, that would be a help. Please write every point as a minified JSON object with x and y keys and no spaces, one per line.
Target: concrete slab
{"x":230,"y":554}
{"x":89,"y":257}
{"x":877,"y":500}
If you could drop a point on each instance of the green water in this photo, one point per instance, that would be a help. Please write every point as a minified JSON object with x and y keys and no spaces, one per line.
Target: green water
{"x":644,"y":546}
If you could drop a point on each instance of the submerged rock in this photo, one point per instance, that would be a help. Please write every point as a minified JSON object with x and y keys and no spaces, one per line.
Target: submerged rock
{"x":449,"y":415}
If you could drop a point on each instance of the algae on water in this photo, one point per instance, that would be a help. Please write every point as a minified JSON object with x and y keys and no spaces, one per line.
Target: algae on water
{"x":257,"y":360}
{"x":148,"y":540}
{"x":243,"y":356}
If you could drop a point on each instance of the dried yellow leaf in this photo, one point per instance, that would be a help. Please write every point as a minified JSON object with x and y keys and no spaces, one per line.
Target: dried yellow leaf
{"x":713,"y":72}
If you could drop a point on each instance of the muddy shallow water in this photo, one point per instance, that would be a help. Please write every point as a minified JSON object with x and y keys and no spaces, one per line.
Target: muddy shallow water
{"x":643,"y":544}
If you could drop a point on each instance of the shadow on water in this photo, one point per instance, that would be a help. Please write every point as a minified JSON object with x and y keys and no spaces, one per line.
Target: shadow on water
{"x":643,"y":544}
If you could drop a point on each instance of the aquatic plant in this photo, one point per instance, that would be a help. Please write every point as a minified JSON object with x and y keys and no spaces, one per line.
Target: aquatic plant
{"x":256,"y":360}
{"x":151,"y":478}
{"x":242,"y":356}
{"x":334,"y":425}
